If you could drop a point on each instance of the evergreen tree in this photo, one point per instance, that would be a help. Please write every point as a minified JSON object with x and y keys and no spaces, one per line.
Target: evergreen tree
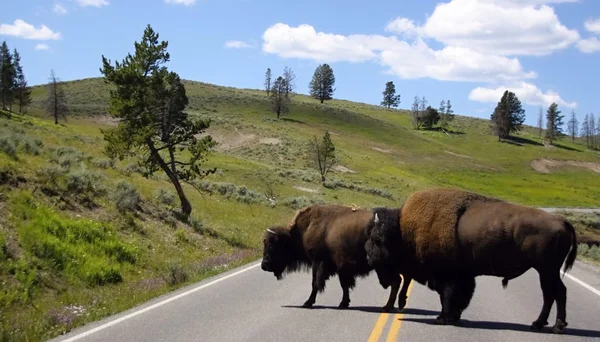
{"x":553,"y":123}
{"x":150,"y":100}
{"x":508,"y":116}
{"x":431,"y":116}
{"x":7,"y":76}
{"x":56,"y":103}
{"x":415,"y":113}
{"x":390,"y":99}
{"x":592,"y":130}
{"x":573,"y":126}
{"x":321,"y":85}
{"x":280,"y":103}
{"x":540,"y":123}
{"x":268,"y":81}
{"x":22,"y":91}
{"x":446,"y":114}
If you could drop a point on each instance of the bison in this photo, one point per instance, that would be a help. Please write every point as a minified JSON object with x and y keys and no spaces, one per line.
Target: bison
{"x":330,"y":240}
{"x":445,"y":238}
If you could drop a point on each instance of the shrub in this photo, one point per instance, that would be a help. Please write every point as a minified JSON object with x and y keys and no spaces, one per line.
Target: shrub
{"x":8,"y":147}
{"x":126,"y":197}
{"x":300,"y":202}
{"x":66,"y":156}
{"x":176,"y":274}
{"x":103,"y":163}
{"x":85,"y":185}
{"x":164,"y":196}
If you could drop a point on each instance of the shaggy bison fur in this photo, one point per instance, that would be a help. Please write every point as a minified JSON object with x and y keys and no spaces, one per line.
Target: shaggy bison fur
{"x":444,"y":238}
{"x":329,"y":239}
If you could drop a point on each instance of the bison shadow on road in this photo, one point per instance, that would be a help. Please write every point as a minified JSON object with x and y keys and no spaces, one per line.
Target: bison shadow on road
{"x":373,"y":309}
{"x":486,"y":325}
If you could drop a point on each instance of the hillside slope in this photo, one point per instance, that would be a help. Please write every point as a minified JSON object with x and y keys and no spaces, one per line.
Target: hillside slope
{"x":83,"y":236}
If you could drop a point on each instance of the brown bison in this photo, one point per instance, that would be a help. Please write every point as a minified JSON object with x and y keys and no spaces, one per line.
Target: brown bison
{"x":444,"y":238}
{"x":329,"y":239}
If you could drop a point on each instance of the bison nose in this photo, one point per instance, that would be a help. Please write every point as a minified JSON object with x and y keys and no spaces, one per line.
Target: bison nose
{"x":264,"y":266}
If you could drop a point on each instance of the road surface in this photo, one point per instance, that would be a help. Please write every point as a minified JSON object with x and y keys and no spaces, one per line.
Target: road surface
{"x":248,"y":304}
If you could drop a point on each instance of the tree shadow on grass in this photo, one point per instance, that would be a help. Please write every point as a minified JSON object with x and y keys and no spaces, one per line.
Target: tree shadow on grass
{"x":439,"y":129}
{"x":294,"y":121}
{"x":520,"y":141}
{"x":566,"y":147}
{"x":486,"y":325}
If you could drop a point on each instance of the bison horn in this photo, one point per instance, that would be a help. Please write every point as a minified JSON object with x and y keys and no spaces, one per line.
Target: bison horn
{"x":376,"y":218}
{"x":270,"y":231}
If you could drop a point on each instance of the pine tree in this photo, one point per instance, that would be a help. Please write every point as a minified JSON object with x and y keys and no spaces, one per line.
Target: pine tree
{"x":553,"y":123}
{"x":7,"y":77}
{"x":592,"y":130}
{"x":268,"y":81}
{"x":508,"y":116}
{"x":390,"y":99}
{"x":573,"y":126}
{"x":540,"y":123}
{"x":321,"y":85}
{"x":56,"y":103}
{"x":431,"y":116}
{"x":280,"y":103}
{"x":446,"y":114}
{"x":150,"y":100}
{"x":22,"y":91}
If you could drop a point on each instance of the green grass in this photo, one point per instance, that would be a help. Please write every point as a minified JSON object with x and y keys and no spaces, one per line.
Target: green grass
{"x":83,"y":236}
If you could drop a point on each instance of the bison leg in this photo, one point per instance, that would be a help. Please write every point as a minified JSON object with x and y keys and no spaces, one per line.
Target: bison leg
{"x":561,"y":306}
{"x":402,"y":298}
{"x":347,"y":282}
{"x":316,"y":269}
{"x":455,"y":295}
{"x":548,"y":292}
{"x":395,"y":281}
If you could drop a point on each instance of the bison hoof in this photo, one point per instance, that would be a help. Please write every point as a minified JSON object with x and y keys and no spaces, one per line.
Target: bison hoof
{"x":387,"y":308}
{"x":537,"y":325}
{"x":559,"y":327}
{"x":401,"y":304}
{"x":445,"y":320}
{"x":308,"y":304}
{"x":344,"y":305}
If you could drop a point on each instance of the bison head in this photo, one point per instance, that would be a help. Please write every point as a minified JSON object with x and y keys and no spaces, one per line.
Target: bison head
{"x":277,"y":251}
{"x":382,"y":234}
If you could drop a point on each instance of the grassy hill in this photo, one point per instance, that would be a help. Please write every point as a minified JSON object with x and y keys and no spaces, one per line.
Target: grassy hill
{"x":84,"y":236}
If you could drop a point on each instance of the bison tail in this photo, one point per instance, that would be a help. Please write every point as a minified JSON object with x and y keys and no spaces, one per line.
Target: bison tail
{"x":573,"y":253}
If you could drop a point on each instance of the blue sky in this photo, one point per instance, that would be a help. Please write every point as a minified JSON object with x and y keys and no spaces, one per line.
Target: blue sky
{"x":467,"y":51}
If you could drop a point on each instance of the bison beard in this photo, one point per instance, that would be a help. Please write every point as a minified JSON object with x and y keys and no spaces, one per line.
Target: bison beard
{"x":329,"y":240}
{"x":445,"y":238}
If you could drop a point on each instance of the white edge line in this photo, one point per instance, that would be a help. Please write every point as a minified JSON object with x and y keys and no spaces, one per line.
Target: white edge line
{"x":139,"y":312}
{"x":583,"y":284}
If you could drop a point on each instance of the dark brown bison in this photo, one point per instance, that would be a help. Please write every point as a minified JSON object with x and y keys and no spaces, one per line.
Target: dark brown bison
{"x":329,"y":239}
{"x":444,"y":238}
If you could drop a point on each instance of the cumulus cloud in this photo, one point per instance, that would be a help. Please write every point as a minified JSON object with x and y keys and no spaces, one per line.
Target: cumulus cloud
{"x":589,"y":45}
{"x":181,"y":2}
{"x":237,"y":44}
{"x":404,"y":59}
{"x":24,"y":30}
{"x":403,"y":26}
{"x":526,"y":92}
{"x":93,"y":3}
{"x":593,"y":25}
{"x":500,"y":27}
{"x":42,"y":46}
{"x":59,"y":9}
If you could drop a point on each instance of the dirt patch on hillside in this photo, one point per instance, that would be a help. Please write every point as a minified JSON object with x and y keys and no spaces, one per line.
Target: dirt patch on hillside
{"x":457,"y":155}
{"x":381,"y":150}
{"x":342,"y":169}
{"x":270,"y":141}
{"x":106,"y":120}
{"x":230,"y":140}
{"x":546,"y":165}
{"x":301,"y":188}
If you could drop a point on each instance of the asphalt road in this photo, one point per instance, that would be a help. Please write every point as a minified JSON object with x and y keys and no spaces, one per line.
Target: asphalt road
{"x":248,"y":304}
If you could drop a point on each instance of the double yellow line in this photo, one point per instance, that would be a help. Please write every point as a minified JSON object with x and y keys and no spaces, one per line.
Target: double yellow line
{"x":382,"y":322}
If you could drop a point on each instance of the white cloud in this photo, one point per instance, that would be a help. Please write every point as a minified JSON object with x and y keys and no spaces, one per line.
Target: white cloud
{"x":593,"y":25}
{"x":181,"y":2}
{"x":24,"y":30}
{"x":403,"y":26}
{"x":93,"y":3}
{"x":406,"y":60}
{"x":237,"y":44}
{"x":502,"y":27}
{"x":59,"y":9}
{"x":42,"y":46}
{"x":526,"y":92}
{"x":589,"y":45}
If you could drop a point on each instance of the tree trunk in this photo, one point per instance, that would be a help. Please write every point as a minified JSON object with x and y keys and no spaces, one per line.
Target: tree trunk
{"x":186,"y":206}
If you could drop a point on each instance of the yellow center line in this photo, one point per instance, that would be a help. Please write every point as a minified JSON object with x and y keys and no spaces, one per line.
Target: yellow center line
{"x":397,"y":320}
{"x":378,"y":329}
